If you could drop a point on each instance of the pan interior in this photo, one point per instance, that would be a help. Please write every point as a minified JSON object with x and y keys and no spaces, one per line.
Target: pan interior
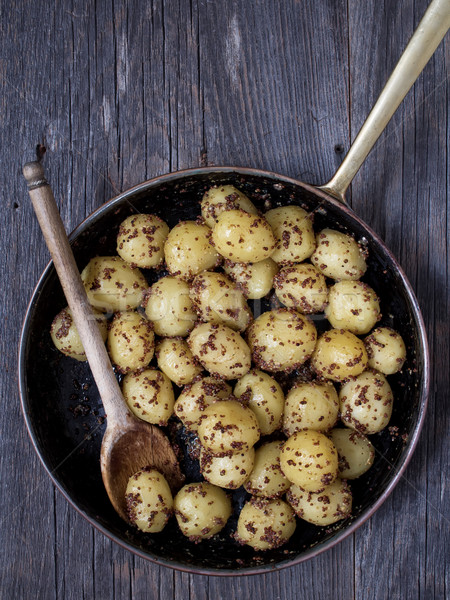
{"x":66,"y":420}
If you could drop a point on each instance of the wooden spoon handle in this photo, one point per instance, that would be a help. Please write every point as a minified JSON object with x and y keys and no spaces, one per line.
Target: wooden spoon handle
{"x":58,"y":244}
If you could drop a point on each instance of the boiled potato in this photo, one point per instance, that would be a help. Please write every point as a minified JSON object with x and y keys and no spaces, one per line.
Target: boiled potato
{"x":264,"y":524}
{"x":131,"y":341}
{"x":264,"y":396}
{"x":310,"y":405}
{"x":149,"y":500}
{"x":301,"y":287}
{"x":325,"y":507}
{"x":216,"y":299}
{"x":65,"y":336}
{"x":355,"y":450}
{"x":242,"y":237}
{"x":228,"y":427}
{"x":339,"y":354}
{"x":366,"y":402}
{"x":220,"y":350}
{"x":140,"y":241}
{"x":338,"y":255}
{"x":266,"y":478}
{"x":352,"y":305}
{"x":386,"y":350}
{"x":188,"y":250}
{"x":201,"y":510}
{"x":281,"y":340}
{"x":149,"y":395}
{"x":254,"y":279}
{"x":224,"y":197}
{"x":196,"y":397}
{"x":228,"y":472}
{"x":176,"y":361}
{"x":294,"y":234}
{"x":310,"y":460}
{"x":112,"y":285}
{"x":169,"y":307}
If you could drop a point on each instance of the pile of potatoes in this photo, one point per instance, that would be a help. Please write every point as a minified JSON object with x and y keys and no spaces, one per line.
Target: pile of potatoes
{"x":190,"y":349}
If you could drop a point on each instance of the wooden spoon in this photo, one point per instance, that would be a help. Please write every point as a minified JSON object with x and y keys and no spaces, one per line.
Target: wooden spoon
{"x":129,"y":444}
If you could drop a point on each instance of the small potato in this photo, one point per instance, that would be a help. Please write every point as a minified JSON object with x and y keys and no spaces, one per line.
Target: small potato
{"x":264,"y":524}
{"x":264,"y":396}
{"x":140,"y":241}
{"x":310,"y":460}
{"x":201,"y":510}
{"x":112,"y":285}
{"x":310,"y":406}
{"x":281,"y":340}
{"x":266,"y":478}
{"x":228,"y":427}
{"x":216,"y":299}
{"x":338,"y":255}
{"x":338,"y":355}
{"x":254,"y":279}
{"x":188,"y":250}
{"x":242,"y":237}
{"x":301,"y":287}
{"x":224,"y":197}
{"x":176,"y":361}
{"x":355,"y":450}
{"x":169,"y":307}
{"x":131,"y":341}
{"x":294,"y":234}
{"x":220,"y":350}
{"x":196,"y":397}
{"x":149,"y":500}
{"x":325,"y":507}
{"x":65,"y":336}
{"x":352,"y":305}
{"x":228,"y":472}
{"x":366,"y":402}
{"x":149,"y":396}
{"x":386,"y":350}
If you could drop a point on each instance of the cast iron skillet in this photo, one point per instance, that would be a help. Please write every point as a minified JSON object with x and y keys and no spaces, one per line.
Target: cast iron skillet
{"x":63,"y":411}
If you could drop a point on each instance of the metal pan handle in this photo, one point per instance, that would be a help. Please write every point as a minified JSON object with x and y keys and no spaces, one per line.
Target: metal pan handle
{"x":425,"y":40}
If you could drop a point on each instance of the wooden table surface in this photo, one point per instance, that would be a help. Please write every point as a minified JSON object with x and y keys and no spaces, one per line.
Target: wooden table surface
{"x":119,"y":92}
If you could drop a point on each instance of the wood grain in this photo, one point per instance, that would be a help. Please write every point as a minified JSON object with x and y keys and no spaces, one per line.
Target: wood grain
{"x":122,"y":91}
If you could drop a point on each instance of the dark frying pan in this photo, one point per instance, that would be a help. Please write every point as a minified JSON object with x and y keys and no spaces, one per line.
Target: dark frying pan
{"x":60,"y":402}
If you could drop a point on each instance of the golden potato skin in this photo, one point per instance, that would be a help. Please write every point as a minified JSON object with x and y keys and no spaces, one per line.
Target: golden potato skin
{"x":366,"y":402}
{"x":230,"y":471}
{"x":221,"y":350}
{"x":131,"y":341}
{"x":149,"y":396}
{"x":149,"y":500}
{"x":324,"y":507}
{"x":201,"y":510}
{"x":140,"y":241}
{"x":224,"y":197}
{"x":310,"y":460}
{"x":176,"y":360}
{"x":169,"y":307}
{"x":355,"y":450}
{"x":196,"y":397}
{"x":352,"y":305}
{"x":310,"y":405}
{"x":65,"y":336}
{"x":281,"y":340}
{"x":188,"y":250}
{"x":112,"y":285}
{"x":301,"y":287}
{"x":338,"y":255}
{"x":264,"y":396}
{"x":267,"y":479}
{"x":264,"y":524}
{"x":294,"y":234}
{"x":241,"y":237}
{"x":254,"y":279}
{"x":339,"y":355}
{"x":386,"y":350}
